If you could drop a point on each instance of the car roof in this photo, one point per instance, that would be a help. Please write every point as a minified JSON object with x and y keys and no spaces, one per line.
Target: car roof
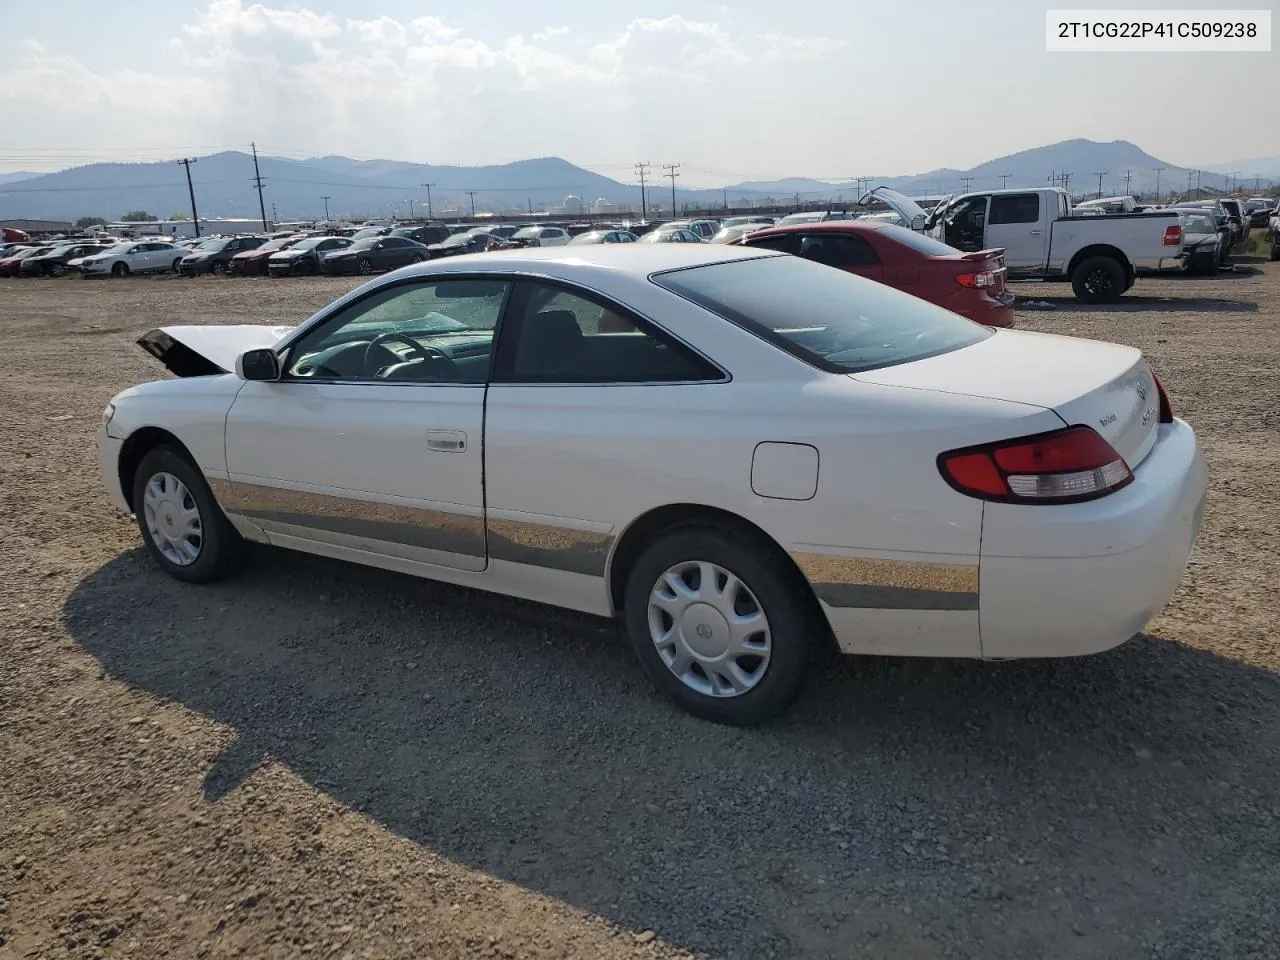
{"x":827,"y":226}
{"x":636,"y":260}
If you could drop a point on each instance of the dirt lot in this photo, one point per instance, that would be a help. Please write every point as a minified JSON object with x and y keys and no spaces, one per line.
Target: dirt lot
{"x":314,"y":759}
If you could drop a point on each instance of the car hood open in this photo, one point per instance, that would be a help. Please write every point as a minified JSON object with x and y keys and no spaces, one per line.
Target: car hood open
{"x":207,"y":351}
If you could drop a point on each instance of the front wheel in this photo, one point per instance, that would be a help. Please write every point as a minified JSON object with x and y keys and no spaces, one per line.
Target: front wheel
{"x":1098,"y":280}
{"x":1273,"y":252}
{"x":58,"y":269}
{"x":365,"y":266}
{"x":176,"y":266}
{"x":184,"y":529}
{"x":719,"y":625}
{"x":119,"y":269}
{"x":217,"y":268}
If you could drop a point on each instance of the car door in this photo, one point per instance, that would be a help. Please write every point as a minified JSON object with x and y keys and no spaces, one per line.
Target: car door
{"x":842,"y":251}
{"x":327,"y":246}
{"x":138,"y":258}
{"x":1018,"y":222}
{"x":367,"y":448}
{"x":578,"y":384}
{"x":964,"y":222}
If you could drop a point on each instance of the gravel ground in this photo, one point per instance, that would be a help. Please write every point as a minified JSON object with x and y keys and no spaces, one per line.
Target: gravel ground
{"x":316,"y":759}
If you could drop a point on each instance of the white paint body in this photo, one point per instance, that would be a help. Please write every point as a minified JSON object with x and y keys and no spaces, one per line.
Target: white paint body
{"x":144,"y":256}
{"x":834,"y":466}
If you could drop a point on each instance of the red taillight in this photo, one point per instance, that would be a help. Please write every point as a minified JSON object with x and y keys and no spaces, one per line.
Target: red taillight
{"x":1172,"y":236}
{"x":1166,"y":408}
{"x":1065,"y":466}
{"x":974,"y":280}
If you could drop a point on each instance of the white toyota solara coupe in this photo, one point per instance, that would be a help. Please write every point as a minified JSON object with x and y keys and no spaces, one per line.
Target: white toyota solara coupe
{"x":742,"y":454}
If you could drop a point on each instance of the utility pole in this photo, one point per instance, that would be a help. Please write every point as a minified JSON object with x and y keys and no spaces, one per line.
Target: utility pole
{"x":257,"y":178}
{"x":726,"y":198}
{"x":430,"y":216}
{"x":1004,"y":180}
{"x":1127,"y":177}
{"x":274,"y":216}
{"x":1100,"y":175}
{"x":1197,"y":184}
{"x":1158,"y":171}
{"x":326,"y":208}
{"x":191,"y":192}
{"x":966,"y":181}
{"x":1190,"y":174}
{"x":642,"y":171}
{"x":411,"y":208}
{"x":472,"y":195}
{"x":672,"y":172}
{"x":1235,"y":180}
{"x":1257,"y":179}
{"x":1066,"y":182}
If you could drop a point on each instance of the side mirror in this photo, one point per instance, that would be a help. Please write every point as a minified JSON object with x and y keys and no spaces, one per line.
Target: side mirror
{"x":258,"y":365}
{"x":918,"y":221}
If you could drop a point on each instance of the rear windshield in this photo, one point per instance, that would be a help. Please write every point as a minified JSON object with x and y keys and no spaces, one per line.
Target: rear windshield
{"x":917,"y":241}
{"x":832,"y":319}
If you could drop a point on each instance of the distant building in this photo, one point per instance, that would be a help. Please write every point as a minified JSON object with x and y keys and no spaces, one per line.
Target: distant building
{"x":35,"y":227}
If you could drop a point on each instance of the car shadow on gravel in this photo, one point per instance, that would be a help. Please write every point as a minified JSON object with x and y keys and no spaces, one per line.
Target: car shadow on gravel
{"x":1140,"y":304}
{"x":1120,"y":805}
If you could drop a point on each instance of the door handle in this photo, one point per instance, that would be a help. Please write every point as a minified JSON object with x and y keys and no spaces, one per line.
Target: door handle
{"x":1036,"y":233}
{"x":448,"y":441}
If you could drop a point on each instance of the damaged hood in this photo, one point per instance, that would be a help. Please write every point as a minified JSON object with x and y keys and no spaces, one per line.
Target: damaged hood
{"x":207,"y":351}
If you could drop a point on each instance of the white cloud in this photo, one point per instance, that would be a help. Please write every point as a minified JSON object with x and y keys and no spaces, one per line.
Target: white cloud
{"x":296,"y":80}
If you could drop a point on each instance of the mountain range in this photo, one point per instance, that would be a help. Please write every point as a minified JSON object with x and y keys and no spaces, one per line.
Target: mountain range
{"x":224,"y":184}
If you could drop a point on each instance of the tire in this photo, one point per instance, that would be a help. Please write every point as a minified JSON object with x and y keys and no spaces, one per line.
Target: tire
{"x":1273,"y":250}
{"x":419,"y":258}
{"x":217,"y":268}
{"x":119,"y":269}
{"x":58,"y":269}
{"x":771,"y":590}
{"x":1098,"y":280}
{"x":176,"y":266}
{"x":217,"y":547}
{"x":364,"y":266}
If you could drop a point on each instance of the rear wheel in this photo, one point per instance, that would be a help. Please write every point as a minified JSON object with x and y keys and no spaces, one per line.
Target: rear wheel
{"x":119,"y":269}
{"x":719,"y":625}
{"x":182,"y":525}
{"x":176,"y":266}
{"x":1098,"y":280}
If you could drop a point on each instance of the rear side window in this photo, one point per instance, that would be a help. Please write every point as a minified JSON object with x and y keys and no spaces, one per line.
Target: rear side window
{"x":834,"y":320}
{"x":918,"y":242}
{"x":838,"y":250}
{"x":783,"y":242}
{"x":1014,"y":208}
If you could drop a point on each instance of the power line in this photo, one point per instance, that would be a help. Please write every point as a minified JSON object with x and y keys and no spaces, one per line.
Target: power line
{"x":642,"y":171}
{"x":257,"y":177}
{"x":673,"y":171}
{"x":191,"y":192}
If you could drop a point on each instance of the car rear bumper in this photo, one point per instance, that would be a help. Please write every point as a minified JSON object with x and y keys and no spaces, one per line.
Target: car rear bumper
{"x":993,"y":310}
{"x":1160,"y":264}
{"x":1081,"y":578}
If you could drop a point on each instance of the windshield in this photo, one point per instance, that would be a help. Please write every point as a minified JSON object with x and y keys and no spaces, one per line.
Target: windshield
{"x":917,"y":241}
{"x":309,"y":244}
{"x":368,"y":243}
{"x":458,"y":240}
{"x":213,"y":246}
{"x":588,"y":238}
{"x":832,"y":319}
{"x":528,"y":233}
{"x":1199,"y":223}
{"x":272,"y":245}
{"x":368,"y":232}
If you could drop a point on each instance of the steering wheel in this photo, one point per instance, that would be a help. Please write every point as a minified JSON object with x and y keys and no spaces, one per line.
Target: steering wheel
{"x":417,"y":350}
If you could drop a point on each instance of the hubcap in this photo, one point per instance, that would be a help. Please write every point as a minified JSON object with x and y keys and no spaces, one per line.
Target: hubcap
{"x":709,"y":629}
{"x":1098,"y":281}
{"x":173,"y":519}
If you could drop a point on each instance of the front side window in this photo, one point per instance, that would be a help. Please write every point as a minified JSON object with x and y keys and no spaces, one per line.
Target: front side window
{"x":832,"y":319}
{"x":555,"y":335}
{"x":430,"y":332}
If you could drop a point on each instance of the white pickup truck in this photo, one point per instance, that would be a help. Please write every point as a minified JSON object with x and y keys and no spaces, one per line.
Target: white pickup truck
{"x":1043,"y":240}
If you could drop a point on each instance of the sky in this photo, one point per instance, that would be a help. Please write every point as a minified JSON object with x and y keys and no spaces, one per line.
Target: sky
{"x":731,"y":90}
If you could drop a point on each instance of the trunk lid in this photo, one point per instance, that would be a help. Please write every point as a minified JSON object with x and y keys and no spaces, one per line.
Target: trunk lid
{"x":1105,"y":386}
{"x":207,"y":351}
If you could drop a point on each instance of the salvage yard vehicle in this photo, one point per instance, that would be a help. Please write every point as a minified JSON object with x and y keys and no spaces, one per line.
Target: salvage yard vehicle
{"x":214,"y":255}
{"x":1202,"y":241}
{"x":53,"y":261}
{"x":305,"y":256}
{"x":1043,"y":240}
{"x":254,"y":262}
{"x":705,"y":440}
{"x":134,"y":256}
{"x":970,"y":284}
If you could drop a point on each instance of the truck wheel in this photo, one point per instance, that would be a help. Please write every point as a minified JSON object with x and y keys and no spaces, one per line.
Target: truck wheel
{"x":1098,"y":280}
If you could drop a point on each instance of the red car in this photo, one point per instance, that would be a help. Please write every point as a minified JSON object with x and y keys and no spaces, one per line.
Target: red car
{"x":12,"y":264}
{"x":254,"y":262}
{"x":970,"y":284}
